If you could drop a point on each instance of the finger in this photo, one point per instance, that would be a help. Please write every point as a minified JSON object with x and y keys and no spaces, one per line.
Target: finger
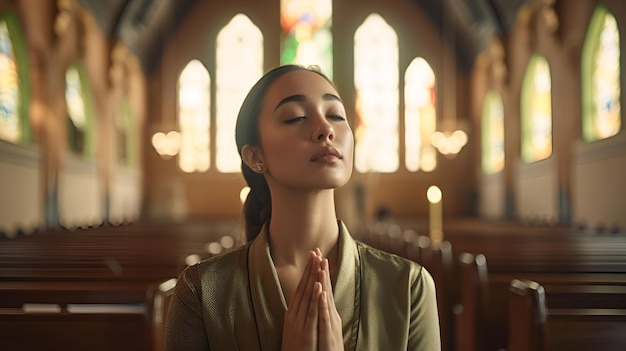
{"x":310,"y":278}
{"x":324,"y":276}
{"x":311,"y":323}
{"x":324,"y":320}
{"x":303,"y":282}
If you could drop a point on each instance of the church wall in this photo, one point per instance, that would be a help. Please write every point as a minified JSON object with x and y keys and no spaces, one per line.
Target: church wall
{"x":20,"y":182}
{"x":49,"y":186}
{"x":578,"y":183}
{"x":53,"y":186}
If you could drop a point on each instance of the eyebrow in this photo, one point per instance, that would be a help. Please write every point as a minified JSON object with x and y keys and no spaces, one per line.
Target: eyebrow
{"x":302,"y":98}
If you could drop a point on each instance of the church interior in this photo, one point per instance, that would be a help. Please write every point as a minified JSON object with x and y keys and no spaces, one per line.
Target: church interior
{"x":489,"y":148}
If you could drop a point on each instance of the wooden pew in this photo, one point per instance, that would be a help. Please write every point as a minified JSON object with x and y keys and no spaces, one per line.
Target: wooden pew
{"x":20,"y":330}
{"x":527,"y":316}
{"x":437,"y":259}
{"x":87,"y":289}
{"x":158,"y":301}
{"x":586,"y":329}
{"x":582,"y":273}
{"x":17,"y":293}
{"x":469,"y":314}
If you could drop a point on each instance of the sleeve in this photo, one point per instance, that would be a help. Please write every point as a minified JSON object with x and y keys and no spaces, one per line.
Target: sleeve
{"x":184,"y":327}
{"x":424,"y":323}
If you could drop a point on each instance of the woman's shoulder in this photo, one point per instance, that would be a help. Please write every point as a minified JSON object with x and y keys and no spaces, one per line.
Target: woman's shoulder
{"x":384,"y":260}
{"x":233,"y":258}
{"x":224,"y":264}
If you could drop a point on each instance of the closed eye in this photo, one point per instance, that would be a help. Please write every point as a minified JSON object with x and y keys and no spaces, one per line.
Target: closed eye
{"x":336,"y":117}
{"x":295,"y":120}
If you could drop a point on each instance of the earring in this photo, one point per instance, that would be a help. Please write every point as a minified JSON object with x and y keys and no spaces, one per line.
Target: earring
{"x":259,"y":168}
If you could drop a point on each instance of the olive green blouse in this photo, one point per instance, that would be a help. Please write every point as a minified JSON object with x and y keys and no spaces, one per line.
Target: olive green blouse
{"x":235,"y":302}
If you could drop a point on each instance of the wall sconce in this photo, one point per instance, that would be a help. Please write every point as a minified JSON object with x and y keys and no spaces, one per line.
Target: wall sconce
{"x":166,"y":145}
{"x":449,"y":143}
{"x":450,"y":139}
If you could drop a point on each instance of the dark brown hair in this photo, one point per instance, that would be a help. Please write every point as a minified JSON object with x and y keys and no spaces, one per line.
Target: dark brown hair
{"x":257,"y":209}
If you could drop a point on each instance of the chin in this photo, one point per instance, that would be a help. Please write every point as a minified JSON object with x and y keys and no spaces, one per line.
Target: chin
{"x":337,"y":182}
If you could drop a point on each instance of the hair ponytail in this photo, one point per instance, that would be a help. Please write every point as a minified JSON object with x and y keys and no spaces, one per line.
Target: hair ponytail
{"x":257,"y":209}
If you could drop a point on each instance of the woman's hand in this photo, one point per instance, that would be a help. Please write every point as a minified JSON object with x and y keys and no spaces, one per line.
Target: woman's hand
{"x":300,"y":329}
{"x":330,"y":332}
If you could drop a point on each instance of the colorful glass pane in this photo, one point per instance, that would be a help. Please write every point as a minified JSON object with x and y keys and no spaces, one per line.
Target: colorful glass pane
{"x":377,"y":96}
{"x":239,"y":66}
{"x":419,"y":116}
{"x":606,"y":82}
{"x":306,"y":33}
{"x":537,"y":111}
{"x":493,"y":134}
{"x":9,"y":89}
{"x":193,"y":117}
{"x":77,"y":123}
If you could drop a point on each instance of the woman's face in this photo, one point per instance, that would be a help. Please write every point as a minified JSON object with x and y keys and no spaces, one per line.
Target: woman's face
{"x":306,"y":142}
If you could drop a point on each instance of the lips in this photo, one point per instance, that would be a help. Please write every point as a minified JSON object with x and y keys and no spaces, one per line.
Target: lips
{"x":327,"y":153}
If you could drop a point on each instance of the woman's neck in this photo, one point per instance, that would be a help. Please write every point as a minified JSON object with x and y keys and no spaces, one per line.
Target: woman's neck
{"x":302,"y":222}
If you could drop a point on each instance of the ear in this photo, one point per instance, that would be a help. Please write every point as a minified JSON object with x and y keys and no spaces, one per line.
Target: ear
{"x":252,"y":156}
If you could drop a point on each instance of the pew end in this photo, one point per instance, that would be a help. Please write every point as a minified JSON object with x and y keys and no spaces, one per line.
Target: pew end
{"x":469,"y":313}
{"x":527,"y":316}
{"x":158,"y":298}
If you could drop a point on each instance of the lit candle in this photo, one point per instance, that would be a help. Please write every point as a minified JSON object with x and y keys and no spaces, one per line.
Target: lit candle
{"x":436,"y":221}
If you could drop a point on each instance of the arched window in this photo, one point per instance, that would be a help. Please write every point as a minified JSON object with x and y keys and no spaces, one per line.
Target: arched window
{"x":14,"y":82}
{"x":239,"y":65}
{"x":419,"y":116}
{"x":306,"y":33}
{"x":80,"y":111}
{"x":127,"y":137}
{"x":193,"y":117}
{"x":376,"y":84}
{"x":600,"y":77}
{"x":492,"y":134}
{"x":536,"y":111}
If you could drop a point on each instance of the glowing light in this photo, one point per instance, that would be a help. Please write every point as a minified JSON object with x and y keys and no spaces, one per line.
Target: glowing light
{"x":166,"y":145}
{"x":433,"y":194}
{"x":243,"y":194}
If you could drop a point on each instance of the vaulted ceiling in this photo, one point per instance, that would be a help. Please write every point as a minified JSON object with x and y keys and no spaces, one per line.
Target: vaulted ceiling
{"x":144,"y":25}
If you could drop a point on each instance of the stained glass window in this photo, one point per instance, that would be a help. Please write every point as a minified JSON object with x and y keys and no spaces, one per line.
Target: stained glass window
{"x":419,"y":116}
{"x":306,"y":33}
{"x":492,"y":133}
{"x":536,"y":111}
{"x":377,"y":97}
{"x":127,"y":137}
{"x":239,"y":66}
{"x":601,"y":77}
{"x":193,"y":117}
{"x":9,"y":88}
{"x":79,"y":111}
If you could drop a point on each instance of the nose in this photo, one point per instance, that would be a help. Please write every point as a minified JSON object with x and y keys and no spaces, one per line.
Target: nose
{"x":323,"y":130}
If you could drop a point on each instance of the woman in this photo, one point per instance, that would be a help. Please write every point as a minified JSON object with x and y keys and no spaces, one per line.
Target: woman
{"x":301,"y":282}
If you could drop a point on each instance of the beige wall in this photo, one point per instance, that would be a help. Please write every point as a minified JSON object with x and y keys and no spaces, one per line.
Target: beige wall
{"x":73,"y":190}
{"x":565,"y":186}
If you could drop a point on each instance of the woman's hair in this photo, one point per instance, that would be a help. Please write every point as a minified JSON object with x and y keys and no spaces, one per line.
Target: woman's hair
{"x":257,"y":209}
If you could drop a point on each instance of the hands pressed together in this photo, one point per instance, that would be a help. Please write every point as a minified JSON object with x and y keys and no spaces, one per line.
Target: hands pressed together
{"x":312,"y":322}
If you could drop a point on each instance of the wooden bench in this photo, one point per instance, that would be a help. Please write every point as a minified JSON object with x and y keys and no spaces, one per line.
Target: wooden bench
{"x":469,"y":312}
{"x":527,"y":316}
{"x":579,"y":272}
{"x":20,"y":330}
{"x":90,"y":289}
